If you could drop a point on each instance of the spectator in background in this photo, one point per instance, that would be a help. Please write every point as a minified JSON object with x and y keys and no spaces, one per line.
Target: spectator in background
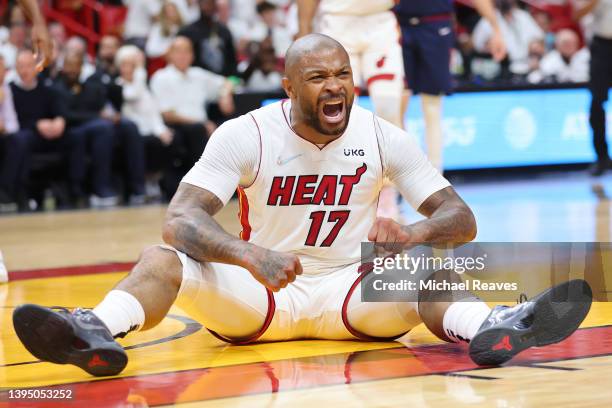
{"x":128,"y":144}
{"x":281,"y":38}
{"x":182,"y":92}
{"x":140,"y":107}
{"x":57,"y":32}
{"x":600,"y":74}
{"x":537,"y":50}
{"x":543,"y":20}
{"x":566,"y":63}
{"x":518,"y":29}
{"x":77,"y":45}
{"x":105,"y":62}
{"x":189,"y":10}
{"x":13,"y":145}
{"x":58,"y":40}
{"x":261,"y":75}
{"x":164,"y":30}
{"x":212,"y":41}
{"x":85,"y":100}
{"x":18,"y":35}
{"x":41,"y":118}
{"x":241,"y":18}
{"x":139,"y":20}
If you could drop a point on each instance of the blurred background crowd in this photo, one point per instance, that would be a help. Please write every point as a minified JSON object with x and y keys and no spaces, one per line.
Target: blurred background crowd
{"x":136,"y":87}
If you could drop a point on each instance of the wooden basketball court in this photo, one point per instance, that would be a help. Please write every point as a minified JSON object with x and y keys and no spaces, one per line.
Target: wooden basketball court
{"x":72,"y":259}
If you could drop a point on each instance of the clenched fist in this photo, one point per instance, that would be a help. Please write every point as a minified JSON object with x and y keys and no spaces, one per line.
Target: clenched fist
{"x":275,"y":270}
{"x":390,"y":235}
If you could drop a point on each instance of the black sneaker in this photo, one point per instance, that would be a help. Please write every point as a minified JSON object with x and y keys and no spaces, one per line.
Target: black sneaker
{"x":548,"y":318}
{"x":79,"y":338}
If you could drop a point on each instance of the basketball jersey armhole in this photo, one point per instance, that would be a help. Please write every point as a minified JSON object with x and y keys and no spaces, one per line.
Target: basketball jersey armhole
{"x":260,"y":158}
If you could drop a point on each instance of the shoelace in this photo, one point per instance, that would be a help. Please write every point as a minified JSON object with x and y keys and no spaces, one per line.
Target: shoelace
{"x":78,"y":312}
{"x":522,"y":299}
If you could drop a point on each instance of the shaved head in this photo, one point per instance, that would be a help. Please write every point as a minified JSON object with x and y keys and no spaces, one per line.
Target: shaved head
{"x":319,"y":81}
{"x":307,"y":47}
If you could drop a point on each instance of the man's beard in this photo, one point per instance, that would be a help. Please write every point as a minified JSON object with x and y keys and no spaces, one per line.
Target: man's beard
{"x":311,"y":118}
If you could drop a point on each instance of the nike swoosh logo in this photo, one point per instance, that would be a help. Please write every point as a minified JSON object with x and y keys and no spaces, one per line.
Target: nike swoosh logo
{"x":282,"y":162}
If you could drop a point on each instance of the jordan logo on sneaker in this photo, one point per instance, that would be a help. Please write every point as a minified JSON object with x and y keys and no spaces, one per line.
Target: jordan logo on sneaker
{"x":96,"y":361}
{"x":504,"y":344}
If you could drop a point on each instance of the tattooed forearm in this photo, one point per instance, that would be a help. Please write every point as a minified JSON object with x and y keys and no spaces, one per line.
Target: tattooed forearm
{"x":450,"y":220}
{"x":191,"y":228}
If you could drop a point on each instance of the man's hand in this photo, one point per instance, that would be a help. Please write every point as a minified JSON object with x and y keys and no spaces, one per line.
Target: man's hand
{"x":497,"y":46}
{"x":50,"y":129}
{"x":110,"y":115}
{"x":41,"y":42}
{"x":191,"y":228}
{"x":275,"y":270}
{"x":166,"y":137}
{"x":390,"y":235}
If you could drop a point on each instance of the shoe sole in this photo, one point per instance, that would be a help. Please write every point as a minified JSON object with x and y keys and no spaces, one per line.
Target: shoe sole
{"x":49,"y":337}
{"x":554,"y":319}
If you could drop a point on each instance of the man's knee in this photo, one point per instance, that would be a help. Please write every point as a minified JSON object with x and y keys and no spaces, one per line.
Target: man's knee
{"x":158,"y":263}
{"x":100,"y":127}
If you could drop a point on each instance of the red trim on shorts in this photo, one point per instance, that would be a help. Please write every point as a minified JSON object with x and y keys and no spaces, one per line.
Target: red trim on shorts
{"x":245,"y":234}
{"x":381,"y":77}
{"x":243,"y":215}
{"x":363,"y":271}
{"x":250,"y":339}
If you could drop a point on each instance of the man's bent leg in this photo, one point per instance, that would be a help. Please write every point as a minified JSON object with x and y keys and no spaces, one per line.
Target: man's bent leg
{"x":451,"y":315}
{"x":143,"y":298}
{"x":85,"y":338}
{"x":226,"y":299}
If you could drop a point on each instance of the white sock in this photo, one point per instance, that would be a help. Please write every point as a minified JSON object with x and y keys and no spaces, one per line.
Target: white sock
{"x":121,"y":312}
{"x":463,"y":319}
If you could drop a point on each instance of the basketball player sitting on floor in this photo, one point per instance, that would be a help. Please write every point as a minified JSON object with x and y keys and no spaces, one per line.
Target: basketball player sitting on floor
{"x":309,"y":171}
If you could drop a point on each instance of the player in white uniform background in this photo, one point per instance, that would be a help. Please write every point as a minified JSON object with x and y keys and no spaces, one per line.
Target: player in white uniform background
{"x":309,"y":171}
{"x":369,"y":32}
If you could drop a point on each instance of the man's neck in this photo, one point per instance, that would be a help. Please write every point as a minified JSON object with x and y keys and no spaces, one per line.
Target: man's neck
{"x":29,"y":85}
{"x":182,"y":71}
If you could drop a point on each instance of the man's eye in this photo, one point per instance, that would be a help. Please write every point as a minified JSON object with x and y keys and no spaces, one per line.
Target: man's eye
{"x":316,"y":78}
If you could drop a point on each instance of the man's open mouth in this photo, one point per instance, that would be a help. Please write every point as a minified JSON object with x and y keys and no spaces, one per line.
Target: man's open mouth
{"x":334,"y":111}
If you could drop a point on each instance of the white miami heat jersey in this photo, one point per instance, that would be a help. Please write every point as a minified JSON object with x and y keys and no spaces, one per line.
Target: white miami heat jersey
{"x":354,"y":7}
{"x":316,"y":202}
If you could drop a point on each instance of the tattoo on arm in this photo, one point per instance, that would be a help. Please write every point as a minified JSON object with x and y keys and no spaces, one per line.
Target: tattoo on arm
{"x":191,"y":228}
{"x":449,"y":219}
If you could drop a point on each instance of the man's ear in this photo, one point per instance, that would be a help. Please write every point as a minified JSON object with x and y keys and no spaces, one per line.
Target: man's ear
{"x":287,"y":87}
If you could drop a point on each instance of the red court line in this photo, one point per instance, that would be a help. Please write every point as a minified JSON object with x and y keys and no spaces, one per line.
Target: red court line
{"x":70,"y":271}
{"x":314,"y":372}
